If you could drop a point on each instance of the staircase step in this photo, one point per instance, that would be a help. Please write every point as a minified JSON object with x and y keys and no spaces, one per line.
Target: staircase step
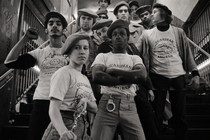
{"x":195,"y":98}
{"x":198,"y":109}
{"x":11,"y":132}
{"x":21,"y":119}
{"x":199,"y":134}
{"x":198,"y":121}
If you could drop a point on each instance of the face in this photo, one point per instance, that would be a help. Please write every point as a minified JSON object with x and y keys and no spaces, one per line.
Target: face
{"x":102,"y":33}
{"x":80,"y":52}
{"x":86,"y":22}
{"x":145,"y":17}
{"x":134,"y":16}
{"x":54,"y":27}
{"x":103,"y":4}
{"x":119,"y":40}
{"x":123,"y":13}
{"x":156,"y":16}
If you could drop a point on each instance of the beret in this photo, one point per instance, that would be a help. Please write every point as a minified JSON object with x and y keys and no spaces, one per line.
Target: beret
{"x":102,"y":23}
{"x":101,"y":11}
{"x":119,"y":23}
{"x":72,"y":40}
{"x":55,"y":15}
{"x":165,"y":8}
{"x":119,"y":4}
{"x":142,"y":9}
{"x":87,"y":12}
{"x":133,"y":2}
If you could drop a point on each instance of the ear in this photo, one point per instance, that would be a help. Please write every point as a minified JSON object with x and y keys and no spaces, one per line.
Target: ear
{"x":46,"y":31}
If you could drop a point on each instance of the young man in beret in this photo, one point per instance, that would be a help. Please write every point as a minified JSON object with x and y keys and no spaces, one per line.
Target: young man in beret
{"x":144,"y":12}
{"x":134,"y":5}
{"x":145,"y":92}
{"x":118,"y":78}
{"x":102,"y":14}
{"x":45,"y":58}
{"x":168,"y":57}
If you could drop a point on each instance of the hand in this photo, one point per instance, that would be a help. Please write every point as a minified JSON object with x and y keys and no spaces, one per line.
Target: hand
{"x":96,"y":39}
{"x":195,"y":82}
{"x":151,"y":95}
{"x":32,"y":33}
{"x":82,"y":105}
{"x":68,"y":135}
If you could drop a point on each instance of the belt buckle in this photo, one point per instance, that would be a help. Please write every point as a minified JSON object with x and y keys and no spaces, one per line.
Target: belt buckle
{"x":110,"y":106}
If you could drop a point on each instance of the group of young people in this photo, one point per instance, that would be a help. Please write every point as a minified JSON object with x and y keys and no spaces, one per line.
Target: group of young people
{"x":100,"y":81}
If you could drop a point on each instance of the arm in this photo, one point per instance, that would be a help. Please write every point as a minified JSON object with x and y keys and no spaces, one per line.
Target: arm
{"x":137,"y":75}
{"x":99,"y":76}
{"x":55,"y":116}
{"x":14,"y":53}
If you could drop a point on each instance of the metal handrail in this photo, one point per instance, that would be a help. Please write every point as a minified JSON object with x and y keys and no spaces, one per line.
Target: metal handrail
{"x":200,"y":49}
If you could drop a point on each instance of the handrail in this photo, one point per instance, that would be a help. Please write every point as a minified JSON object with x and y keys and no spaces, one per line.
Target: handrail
{"x":202,"y":50}
{"x":6,"y":74}
{"x":204,"y":63}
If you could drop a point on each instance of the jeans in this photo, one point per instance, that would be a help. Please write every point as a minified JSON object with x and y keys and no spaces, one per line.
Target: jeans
{"x":68,"y":119}
{"x":177,"y":99}
{"x":125,"y":116}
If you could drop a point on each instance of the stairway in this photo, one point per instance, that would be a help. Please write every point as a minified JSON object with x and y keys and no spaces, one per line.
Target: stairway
{"x":198,"y":116}
{"x":17,"y":127}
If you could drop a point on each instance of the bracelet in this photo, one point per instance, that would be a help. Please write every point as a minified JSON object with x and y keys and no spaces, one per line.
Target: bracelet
{"x":195,"y":73}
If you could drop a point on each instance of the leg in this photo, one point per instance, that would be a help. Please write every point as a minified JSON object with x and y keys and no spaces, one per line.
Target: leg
{"x":161,"y":85}
{"x":39,"y":119}
{"x":178,"y":99}
{"x":146,"y":115}
{"x":130,"y":124}
{"x":105,"y":122}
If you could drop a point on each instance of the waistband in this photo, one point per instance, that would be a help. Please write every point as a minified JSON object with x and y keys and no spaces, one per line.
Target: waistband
{"x":118,"y":97}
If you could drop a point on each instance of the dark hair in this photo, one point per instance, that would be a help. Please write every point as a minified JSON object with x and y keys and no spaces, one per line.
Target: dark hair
{"x":164,"y":14}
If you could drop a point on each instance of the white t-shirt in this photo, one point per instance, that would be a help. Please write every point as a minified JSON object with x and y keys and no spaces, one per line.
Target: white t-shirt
{"x":48,"y":60}
{"x":120,"y":61}
{"x":165,"y":59}
{"x":69,"y":86}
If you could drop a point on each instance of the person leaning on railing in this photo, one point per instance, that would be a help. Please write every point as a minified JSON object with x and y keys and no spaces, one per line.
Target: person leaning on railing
{"x":48,"y":59}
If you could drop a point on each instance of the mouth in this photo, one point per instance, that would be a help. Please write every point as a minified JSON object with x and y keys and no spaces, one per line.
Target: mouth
{"x":54,"y":30}
{"x":82,"y":57}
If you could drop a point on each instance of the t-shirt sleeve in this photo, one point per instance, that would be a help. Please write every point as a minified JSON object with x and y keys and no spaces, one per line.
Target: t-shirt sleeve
{"x":99,"y":60}
{"x":59,"y":84}
{"x":24,"y":61}
{"x":137,"y":60}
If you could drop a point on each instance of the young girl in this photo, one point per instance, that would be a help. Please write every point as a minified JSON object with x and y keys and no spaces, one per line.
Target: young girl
{"x":71,"y":94}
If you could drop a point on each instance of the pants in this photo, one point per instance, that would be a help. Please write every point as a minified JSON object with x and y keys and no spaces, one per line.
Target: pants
{"x":177,"y":98}
{"x":125,"y":116}
{"x":67,"y":116}
{"x":39,"y":119}
{"x":146,"y":115}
